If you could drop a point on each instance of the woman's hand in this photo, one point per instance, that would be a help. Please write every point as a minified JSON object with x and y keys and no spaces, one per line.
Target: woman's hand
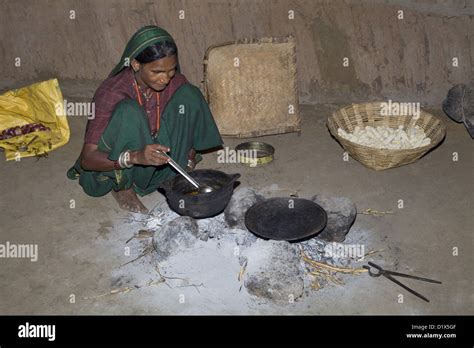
{"x":149,"y":155}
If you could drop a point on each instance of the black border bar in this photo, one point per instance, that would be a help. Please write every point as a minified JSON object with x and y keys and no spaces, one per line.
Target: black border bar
{"x":137,"y":331}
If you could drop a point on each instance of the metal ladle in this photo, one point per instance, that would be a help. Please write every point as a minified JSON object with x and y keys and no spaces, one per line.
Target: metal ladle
{"x":201,"y":188}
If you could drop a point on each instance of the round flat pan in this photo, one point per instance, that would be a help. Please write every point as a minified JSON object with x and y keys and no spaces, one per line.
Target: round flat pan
{"x":285,"y":218}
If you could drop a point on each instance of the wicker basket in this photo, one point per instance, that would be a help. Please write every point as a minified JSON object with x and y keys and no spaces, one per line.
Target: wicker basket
{"x":249,"y":102}
{"x":369,"y":114}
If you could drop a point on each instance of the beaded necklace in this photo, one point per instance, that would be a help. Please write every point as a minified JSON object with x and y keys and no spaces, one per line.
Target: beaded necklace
{"x":135,"y":84}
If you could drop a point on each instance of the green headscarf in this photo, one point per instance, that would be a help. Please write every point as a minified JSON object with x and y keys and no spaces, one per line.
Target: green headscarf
{"x":144,"y":37}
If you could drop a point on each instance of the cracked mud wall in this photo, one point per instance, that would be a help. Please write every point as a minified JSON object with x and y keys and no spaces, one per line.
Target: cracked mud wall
{"x":409,"y":59}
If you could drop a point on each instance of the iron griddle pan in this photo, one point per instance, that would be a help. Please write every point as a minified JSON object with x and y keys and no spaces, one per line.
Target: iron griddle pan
{"x":286,"y":218}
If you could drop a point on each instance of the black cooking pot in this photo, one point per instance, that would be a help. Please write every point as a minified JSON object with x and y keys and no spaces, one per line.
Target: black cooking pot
{"x":200,"y":205}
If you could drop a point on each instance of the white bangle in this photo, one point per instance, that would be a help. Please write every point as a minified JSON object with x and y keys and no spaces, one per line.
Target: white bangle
{"x":123,"y":160}
{"x":126,"y":158}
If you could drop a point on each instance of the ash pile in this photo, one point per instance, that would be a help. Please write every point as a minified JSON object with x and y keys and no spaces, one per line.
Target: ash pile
{"x":270,"y":270}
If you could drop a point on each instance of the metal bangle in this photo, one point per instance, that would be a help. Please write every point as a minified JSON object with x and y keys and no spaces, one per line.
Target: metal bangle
{"x":191,"y":164}
{"x":120,"y":161}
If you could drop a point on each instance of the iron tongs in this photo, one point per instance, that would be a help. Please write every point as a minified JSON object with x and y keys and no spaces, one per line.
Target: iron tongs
{"x":390,"y":274}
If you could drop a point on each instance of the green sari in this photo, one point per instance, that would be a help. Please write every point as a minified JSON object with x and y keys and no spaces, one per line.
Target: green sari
{"x":185,"y":123}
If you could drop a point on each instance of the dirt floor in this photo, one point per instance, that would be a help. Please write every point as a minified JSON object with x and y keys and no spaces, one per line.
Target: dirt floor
{"x":81,"y":248}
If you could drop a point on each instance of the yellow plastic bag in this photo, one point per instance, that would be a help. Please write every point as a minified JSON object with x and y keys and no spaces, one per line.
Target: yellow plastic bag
{"x":40,"y":102}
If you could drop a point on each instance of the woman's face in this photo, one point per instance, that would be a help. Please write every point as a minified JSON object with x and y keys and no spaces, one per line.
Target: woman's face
{"x":156,"y":74}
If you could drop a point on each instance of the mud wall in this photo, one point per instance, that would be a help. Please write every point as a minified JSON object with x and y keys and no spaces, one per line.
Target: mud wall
{"x":409,"y":59}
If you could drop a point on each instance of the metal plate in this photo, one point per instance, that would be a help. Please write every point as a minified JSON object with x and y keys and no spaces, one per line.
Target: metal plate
{"x":286,"y":218}
{"x":255,"y":153}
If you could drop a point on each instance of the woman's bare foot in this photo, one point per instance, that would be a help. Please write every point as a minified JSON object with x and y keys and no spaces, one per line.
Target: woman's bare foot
{"x":128,"y":200}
